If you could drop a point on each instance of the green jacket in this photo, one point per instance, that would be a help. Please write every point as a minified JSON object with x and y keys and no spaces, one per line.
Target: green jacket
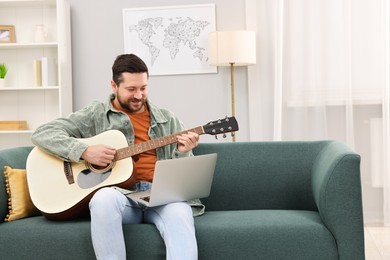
{"x":58,"y":137}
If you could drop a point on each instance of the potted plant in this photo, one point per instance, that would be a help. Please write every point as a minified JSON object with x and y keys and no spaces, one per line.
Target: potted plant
{"x":3,"y":73}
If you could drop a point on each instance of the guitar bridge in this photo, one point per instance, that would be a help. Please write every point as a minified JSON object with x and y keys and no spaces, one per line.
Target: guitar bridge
{"x":68,"y":172}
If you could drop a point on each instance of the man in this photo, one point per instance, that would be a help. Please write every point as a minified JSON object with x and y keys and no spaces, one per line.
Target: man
{"x":128,"y":110}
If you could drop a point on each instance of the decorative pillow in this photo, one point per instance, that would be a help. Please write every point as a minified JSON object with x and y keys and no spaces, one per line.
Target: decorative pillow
{"x":19,"y":201}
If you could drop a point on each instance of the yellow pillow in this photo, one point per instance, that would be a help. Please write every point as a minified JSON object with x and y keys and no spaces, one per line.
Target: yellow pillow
{"x":19,"y":201}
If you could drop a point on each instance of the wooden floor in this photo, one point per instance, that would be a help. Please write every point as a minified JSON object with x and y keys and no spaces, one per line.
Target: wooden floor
{"x":377,"y":242}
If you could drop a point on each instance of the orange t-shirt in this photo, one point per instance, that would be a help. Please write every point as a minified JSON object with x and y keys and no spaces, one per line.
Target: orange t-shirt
{"x":144,"y":166}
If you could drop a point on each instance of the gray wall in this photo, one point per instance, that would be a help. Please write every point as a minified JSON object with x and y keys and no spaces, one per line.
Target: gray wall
{"x":97,"y":38}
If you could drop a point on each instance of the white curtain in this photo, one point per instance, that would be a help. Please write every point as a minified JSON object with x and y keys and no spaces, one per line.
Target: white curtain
{"x":323,"y":73}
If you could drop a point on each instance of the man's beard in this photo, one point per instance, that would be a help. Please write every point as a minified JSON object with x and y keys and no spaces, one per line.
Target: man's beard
{"x":126,"y":105}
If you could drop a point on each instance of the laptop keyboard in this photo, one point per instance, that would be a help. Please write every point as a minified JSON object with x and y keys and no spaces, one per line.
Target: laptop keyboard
{"x":147,"y":198}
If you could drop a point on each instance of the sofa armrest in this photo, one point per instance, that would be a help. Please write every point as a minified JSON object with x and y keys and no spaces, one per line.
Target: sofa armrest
{"x":337,"y":193}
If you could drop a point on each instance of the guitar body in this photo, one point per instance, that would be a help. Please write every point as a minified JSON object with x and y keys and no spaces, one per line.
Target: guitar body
{"x":59,"y":194}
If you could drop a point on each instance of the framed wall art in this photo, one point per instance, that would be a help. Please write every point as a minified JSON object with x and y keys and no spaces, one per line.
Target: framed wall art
{"x":7,"y":34}
{"x":170,"y":39}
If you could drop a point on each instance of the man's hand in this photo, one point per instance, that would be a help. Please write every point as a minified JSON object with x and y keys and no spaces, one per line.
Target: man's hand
{"x":99,"y":155}
{"x":187,"y":142}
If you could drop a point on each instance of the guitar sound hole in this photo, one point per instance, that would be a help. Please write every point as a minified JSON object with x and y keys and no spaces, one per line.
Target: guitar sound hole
{"x":99,"y":170}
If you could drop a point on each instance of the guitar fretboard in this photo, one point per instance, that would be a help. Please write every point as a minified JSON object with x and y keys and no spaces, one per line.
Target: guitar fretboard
{"x":135,"y":149}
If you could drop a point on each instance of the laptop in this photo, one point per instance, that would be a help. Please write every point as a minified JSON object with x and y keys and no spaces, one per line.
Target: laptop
{"x":179,"y":180}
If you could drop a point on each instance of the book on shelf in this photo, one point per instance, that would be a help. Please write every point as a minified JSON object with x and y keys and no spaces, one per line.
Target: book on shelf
{"x":13,"y":125}
{"x":45,"y":72}
{"x":49,"y":75}
{"x":37,"y":73}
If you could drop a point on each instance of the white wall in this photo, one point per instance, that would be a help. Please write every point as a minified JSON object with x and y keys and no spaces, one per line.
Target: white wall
{"x":97,"y":38}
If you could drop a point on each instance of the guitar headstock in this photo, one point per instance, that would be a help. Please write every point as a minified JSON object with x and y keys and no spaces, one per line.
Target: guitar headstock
{"x":221,"y":126}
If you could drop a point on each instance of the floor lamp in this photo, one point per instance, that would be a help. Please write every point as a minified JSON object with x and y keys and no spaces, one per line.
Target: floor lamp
{"x":232,"y":48}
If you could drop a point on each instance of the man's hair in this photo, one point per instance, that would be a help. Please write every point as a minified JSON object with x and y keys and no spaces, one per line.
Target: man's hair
{"x":127,"y":63}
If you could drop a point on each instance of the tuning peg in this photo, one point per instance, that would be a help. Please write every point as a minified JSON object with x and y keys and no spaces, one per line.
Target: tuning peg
{"x":233,"y":134}
{"x":216,"y":137}
{"x":224,"y":135}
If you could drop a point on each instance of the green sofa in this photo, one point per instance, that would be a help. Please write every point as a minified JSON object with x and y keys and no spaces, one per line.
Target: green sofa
{"x":269,"y":200}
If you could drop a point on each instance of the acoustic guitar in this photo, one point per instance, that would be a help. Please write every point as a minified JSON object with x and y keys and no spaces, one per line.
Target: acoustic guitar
{"x":61,"y":190}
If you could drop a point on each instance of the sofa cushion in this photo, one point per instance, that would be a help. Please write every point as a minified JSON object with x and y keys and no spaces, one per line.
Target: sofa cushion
{"x":15,"y":158}
{"x":269,"y":176}
{"x":19,"y":200}
{"x":277,"y":234}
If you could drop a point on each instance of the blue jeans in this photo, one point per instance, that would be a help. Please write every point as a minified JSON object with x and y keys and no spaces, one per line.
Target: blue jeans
{"x":110,"y":209}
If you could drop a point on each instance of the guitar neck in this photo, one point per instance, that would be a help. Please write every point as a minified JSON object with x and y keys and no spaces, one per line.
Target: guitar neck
{"x":135,"y":149}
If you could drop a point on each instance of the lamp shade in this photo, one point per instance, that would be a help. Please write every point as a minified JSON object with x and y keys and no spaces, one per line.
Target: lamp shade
{"x":237,"y":47}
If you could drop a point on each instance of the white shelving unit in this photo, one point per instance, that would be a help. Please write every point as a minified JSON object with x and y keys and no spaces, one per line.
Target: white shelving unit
{"x":20,"y":99}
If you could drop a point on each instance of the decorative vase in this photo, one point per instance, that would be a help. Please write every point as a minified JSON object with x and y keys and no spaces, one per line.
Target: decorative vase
{"x":40,"y":34}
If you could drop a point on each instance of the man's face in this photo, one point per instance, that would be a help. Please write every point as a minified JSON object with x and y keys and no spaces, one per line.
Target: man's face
{"x":131,"y":94}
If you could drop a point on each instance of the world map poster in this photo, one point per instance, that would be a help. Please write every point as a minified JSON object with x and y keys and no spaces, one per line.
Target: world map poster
{"x":170,"y":40}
